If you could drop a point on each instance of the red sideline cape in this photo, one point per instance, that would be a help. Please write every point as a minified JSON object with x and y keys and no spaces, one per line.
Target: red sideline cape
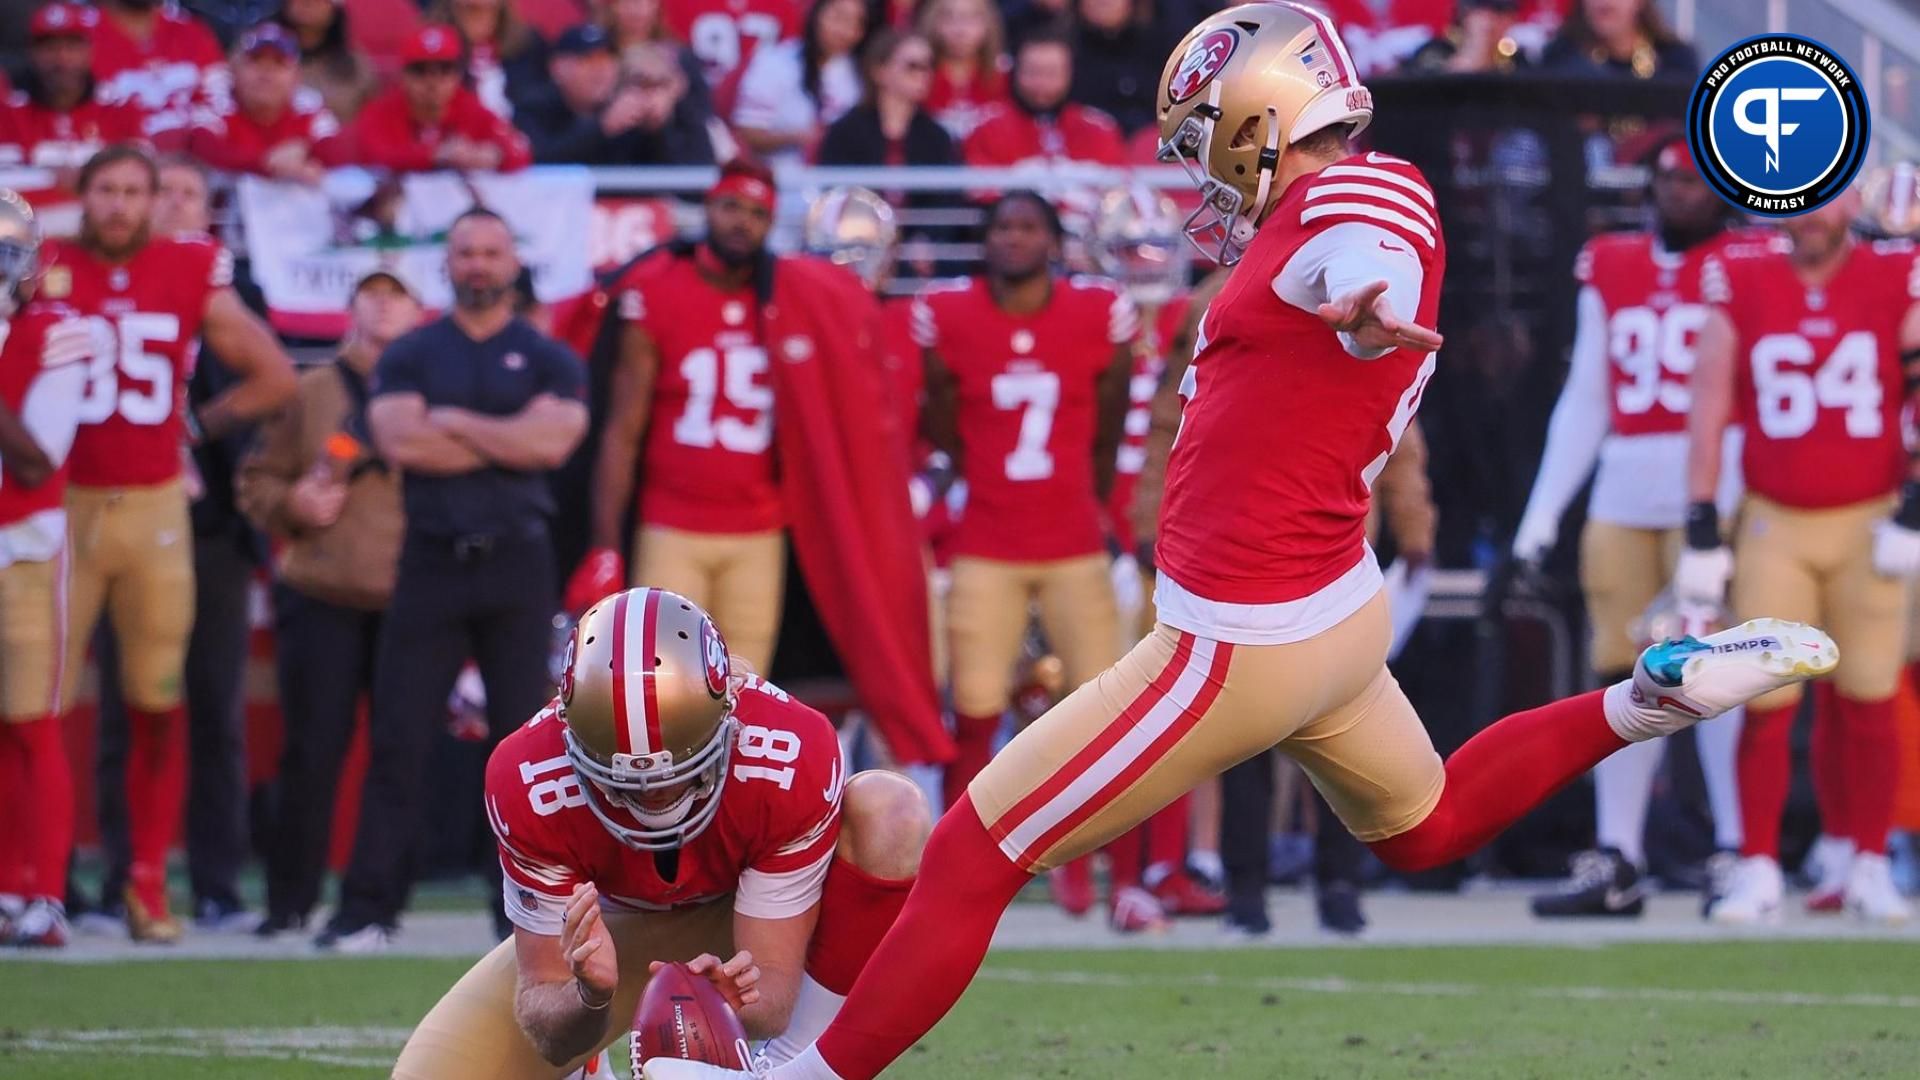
{"x":844,"y":486}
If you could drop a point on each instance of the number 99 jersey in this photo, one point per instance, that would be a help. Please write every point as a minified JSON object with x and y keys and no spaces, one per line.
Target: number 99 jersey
{"x":1818,"y":381}
{"x":770,"y":845}
{"x":149,"y":310}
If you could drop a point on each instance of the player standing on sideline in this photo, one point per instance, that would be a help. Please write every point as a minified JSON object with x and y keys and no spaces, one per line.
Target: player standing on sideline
{"x":1624,"y":408}
{"x":1136,"y":241}
{"x":670,"y":805}
{"x":45,"y":348}
{"x":692,"y":400}
{"x":1805,"y":345}
{"x":1026,"y":390}
{"x":154,"y":298}
{"x":1273,"y":627}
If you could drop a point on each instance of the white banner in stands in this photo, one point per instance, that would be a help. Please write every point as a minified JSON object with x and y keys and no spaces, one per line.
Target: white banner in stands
{"x":310,"y":244}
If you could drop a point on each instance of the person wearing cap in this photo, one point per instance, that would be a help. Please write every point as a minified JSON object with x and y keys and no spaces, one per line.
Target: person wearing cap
{"x":314,"y":482}
{"x":431,"y":121}
{"x":596,"y":113}
{"x":1624,"y":409}
{"x":273,"y":126}
{"x":141,"y":51}
{"x":54,"y":119}
{"x":475,"y":409}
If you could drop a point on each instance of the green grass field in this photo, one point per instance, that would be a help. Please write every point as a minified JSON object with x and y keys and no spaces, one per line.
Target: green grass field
{"x":1758,"y":1009}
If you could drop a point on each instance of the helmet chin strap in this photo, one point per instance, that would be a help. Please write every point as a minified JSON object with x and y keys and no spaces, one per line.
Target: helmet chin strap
{"x":1246,"y":224}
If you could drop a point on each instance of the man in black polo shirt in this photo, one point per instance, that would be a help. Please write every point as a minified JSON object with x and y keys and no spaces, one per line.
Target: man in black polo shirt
{"x":474,"y":409}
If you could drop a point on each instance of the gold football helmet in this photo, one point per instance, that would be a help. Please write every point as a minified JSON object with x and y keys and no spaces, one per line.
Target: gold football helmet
{"x":1136,"y":241}
{"x":1890,"y":201}
{"x":19,"y":251}
{"x":647,"y":695}
{"x":1240,"y":87}
{"x":854,"y":228}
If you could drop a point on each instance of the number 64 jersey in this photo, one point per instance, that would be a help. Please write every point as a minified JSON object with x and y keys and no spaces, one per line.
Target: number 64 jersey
{"x":770,"y":845}
{"x":1819,"y":383}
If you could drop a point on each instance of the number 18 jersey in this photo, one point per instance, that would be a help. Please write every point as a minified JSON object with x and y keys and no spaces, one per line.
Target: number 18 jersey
{"x":708,"y":463}
{"x":1027,"y":401}
{"x":770,"y":844}
{"x":148,"y":311}
{"x":1818,"y":385}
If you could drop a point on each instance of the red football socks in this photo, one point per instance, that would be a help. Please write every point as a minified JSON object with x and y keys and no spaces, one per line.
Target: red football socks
{"x":1502,"y":773}
{"x":1826,"y":752}
{"x":156,"y":790}
{"x":47,"y":795}
{"x":1871,"y":752}
{"x":926,"y":961}
{"x":972,"y":749}
{"x":15,"y":806}
{"x":1765,"y":767}
{"x":856,"y":911}
{"x":1126,"y":858}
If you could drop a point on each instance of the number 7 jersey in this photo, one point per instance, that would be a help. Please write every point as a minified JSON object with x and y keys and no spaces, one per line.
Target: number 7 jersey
{"x":148,"y":312}
{"x":1818,"y":383}
{"x":770,"y":845}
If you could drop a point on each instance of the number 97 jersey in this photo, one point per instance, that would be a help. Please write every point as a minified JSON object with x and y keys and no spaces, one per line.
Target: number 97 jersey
{"x":1818,"y":381}
{"x":770,"y":845}
{"x":147,"y":313}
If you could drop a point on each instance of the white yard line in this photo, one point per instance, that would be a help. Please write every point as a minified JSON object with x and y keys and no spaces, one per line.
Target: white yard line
{"x":322,"y":1045}
{"x":1330,"y":985}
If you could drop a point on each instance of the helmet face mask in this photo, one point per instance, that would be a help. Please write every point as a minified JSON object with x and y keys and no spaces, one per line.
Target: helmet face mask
{"x":854,"y":228}
{"x":19,"y":252}
{"x":647,"y":696}
{"x":1241,"y":87}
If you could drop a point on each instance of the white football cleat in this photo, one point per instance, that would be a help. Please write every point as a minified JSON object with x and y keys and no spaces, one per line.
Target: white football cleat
{"x":597,"y":1068}
{"x":1828,"y":865}
{"x":1753,"y":894}
{"x":1682,"y":681}
{"x":1870,"y":891}
{"x":676,"y":1069}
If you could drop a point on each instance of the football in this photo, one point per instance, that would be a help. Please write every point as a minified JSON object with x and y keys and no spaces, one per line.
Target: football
{"x":681,"y":1015}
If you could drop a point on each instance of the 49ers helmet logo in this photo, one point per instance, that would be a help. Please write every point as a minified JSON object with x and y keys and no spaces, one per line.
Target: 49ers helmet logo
{"x":714,"y":652}
{"x":1204,"y":59}
{"x":566,"y":672}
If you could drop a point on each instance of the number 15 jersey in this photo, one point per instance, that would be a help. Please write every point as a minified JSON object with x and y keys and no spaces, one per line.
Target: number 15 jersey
{"x":708,"y":463}
{"x":770,"y":845}
{"x":1026,"y":389}
{"x":148,"y":312}
{"x":1818,"y":384}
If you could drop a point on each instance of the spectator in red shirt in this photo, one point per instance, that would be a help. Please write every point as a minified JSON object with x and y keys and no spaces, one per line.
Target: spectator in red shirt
{"x":1040,"y":124}
{"x":430,"y":121}
{"x":162,"y":59}
{"x":969,"y":61}
{"x":54,"y":120}
{"x":275,"y":126}
{"x":506,"y":60}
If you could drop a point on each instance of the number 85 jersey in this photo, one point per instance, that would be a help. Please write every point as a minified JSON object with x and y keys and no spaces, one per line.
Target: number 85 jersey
{"x":1818,"y":380}
{"x":148,"y":312}
{"x":770,"y":844}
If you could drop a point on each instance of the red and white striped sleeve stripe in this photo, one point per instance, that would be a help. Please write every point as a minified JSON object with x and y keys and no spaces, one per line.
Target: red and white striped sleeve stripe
{"x":1383,"y":196}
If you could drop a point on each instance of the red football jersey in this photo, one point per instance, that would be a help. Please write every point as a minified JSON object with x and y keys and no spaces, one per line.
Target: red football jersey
{"x":33,"y":134}
{"x":770,"y":844}
{"x":1819,"y":384}
{"x":723,"y":34}
{"x":901,"y":367}
{"x":1654,"y":316}
{"x":1283,"y":431}
{"x":708,"y":464}
{"x":130,"y":430}
{"x":1008,"y":136}
{"x":1149,"y":362}
{"x":231,"y":140}
{"x":176,"y":71}
{"x":1026,"y":392}
{"x":44,"y":351}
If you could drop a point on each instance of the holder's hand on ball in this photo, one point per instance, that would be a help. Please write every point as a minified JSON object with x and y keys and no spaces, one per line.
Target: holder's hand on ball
{"x":738,"y":979}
